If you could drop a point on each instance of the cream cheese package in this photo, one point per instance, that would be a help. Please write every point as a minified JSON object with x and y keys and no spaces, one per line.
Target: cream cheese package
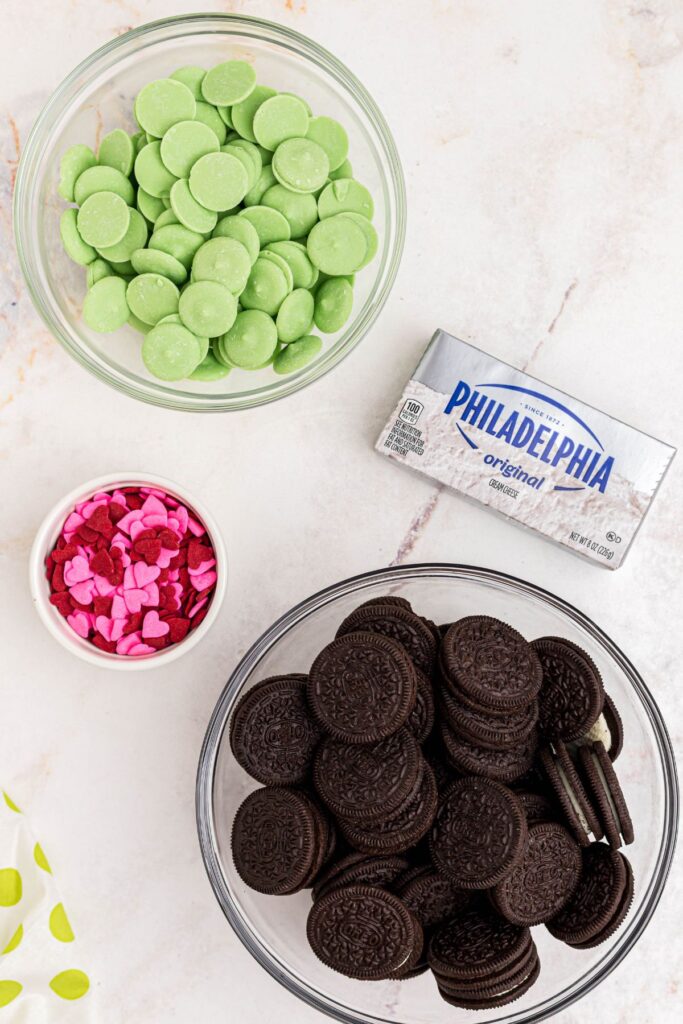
{"x":526,"y":450}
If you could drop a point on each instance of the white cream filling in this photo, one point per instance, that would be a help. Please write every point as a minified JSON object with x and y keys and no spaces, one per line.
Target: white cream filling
{"x":576,"y":806}
{"x":608,"y":792}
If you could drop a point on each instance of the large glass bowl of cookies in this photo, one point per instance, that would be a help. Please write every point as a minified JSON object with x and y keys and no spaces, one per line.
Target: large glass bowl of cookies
{"x":436,"y":789}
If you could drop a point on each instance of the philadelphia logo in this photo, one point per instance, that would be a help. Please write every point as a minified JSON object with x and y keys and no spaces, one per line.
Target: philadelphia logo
{"x":584,"y":461}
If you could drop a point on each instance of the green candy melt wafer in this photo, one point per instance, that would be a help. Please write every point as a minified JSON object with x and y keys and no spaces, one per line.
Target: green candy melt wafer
{"x":75,"y":161}
{"x":184,"y":143}
{"x":209,"y":116}
{"x":337,"y":245}
{"x":251,"y":341}
{"x":330,"y":136}
{"x":103,"y":219}
{"x":170,"y":351}
{"x":333,"y":304}
{"x":178,"y":241}
{"x":269,"y":224}
{"x":228,"y":83}
{"x":191,"y":76}
{"x":224,"y":260}
{"x":266,"y":288}
{"x":301,"y":165}
{"x":189,"y":212}
{"x":210,"y":369}
{"x":300,"y":210}
{"x":134,"y":238}
{"x":207,"y":308}
{"x":345,"y":196}
{"x":151,"y":297}
{"x":76,"y":249}
{"x":297,"y":355}
{"x":279,"y":118}
{"x":242,"y":231}
{"x":105,"y":308}
{"x":103,"y":179}
{"x":155,"y":261}
{"x":218,"y":181}
{"x":96,"y":271}
{"x":117,"y":150}
{"x":242,"y":113}
{"x":152,"y":173}
{"x":295,"y":316}
{"x":161,"y":104}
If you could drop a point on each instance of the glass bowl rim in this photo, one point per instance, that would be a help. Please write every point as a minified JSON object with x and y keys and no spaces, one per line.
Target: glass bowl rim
{"x":154,"y":393}
{"x":392,"y":574}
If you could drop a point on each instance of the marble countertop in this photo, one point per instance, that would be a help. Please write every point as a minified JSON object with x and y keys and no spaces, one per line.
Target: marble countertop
{"x":542,"y":145}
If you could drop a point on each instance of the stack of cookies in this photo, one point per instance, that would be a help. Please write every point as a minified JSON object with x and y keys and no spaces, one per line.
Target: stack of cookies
{"x":442,"y":790}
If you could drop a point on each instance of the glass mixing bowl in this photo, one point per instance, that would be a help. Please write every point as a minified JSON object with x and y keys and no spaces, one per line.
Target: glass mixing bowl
{"x":98,"y":96}
{"x":274,"y":928}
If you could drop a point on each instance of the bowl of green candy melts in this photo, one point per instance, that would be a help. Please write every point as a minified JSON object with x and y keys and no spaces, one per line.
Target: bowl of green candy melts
{"x":210,"y":212}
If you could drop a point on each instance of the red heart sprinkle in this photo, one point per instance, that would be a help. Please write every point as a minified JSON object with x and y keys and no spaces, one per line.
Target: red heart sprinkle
{"x":178,"y":629}
{"x":64,"y":554}
{"x":62,"y":603}
{"x":101,"y":563}
{"x":148,"y":549}
{"x":169,"y":540}
{"x":197,"y":553}
{"x":157,"y":642}
{"x":87,"y":535}
{"x":58,"y":579}
{"x":102,"y":605}
{"x":134,"y":623}
{"x":117,"y":511}
{"x":104,"y":645}
{"x":199,"y":617}
{"x":100,"y":521}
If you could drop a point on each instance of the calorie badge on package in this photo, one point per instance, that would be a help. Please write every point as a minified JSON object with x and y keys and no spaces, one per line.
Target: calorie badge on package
{"x":526,"y":450}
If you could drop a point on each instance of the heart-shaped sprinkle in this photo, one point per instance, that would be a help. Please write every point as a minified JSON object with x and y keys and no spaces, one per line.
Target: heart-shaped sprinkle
{"x":77,"y":570}
{"x":152,"y":626}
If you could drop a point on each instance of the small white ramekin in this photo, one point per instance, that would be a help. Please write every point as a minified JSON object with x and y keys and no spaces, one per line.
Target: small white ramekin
{"x":46,"y":537}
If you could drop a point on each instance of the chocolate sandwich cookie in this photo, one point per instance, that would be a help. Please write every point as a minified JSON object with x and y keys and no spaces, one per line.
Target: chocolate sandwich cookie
{"x":400,"y":625}
{"x":421,"y":719}
{"x":400,"y":602}
{"x":572,"y":694}
{"x":362,"y":783}
{"x":543,"y":880}
{"x":362,"y":687}
{"x":477,"y":944}
{"x":496,"y":983}
{"x":597,"y":905}
{"x":578,"y":810}
{"x":502,"y":765}
{"x":537,"y":807}
{"x":608,"y":729}
{"x":434,"y":899}
{"x":424,"y":867}
{"x":379,"y":871}
{"x":334,"y":868}
{"x":485,"y":730}
{"x":393,"y":833}
{"x":272,"y":732}
{"x":617,"y":918}
{"x":479,"y":833}
{"x":275,"y":840}
{"x":362,"y":932}
{"x":416,"y":962}
{"x":603,"y":786}
{"x":491,"y":664}
{"x":482,"y":999}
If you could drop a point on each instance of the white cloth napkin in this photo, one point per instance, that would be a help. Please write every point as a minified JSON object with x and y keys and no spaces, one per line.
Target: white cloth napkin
{"x":42,"y":980}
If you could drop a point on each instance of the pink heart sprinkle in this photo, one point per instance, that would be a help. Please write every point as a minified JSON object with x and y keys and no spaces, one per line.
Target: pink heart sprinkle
{"x":124,"y":524}
{"x":164,"y":559}
{"x":134,"y":600}
{"x":144,"y":573}
{"x":120,"y":541}
{"x":83,"y":592}
{"x":118,"y":607}
{"x":80,"y":623}
{"x":154,"y":507}
{"x":103,"y":587}
{"x":73,"y":522}
{"x":127,"y":642}
{"x":153,"y":521}
{"x":153,"y":627}
{"x":136,"y":529}
{"x":181,"y":516}
{"x":139,"y":649}
{"x":103,"y":625}
{"x":203,"y":582}
{"x":202,"y":567}
{"x":90,"y":506}
{"x":198,"y":607}
{"x":196,"y":528}
{"x":77,"y":570}
{"x":152,"y":591}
